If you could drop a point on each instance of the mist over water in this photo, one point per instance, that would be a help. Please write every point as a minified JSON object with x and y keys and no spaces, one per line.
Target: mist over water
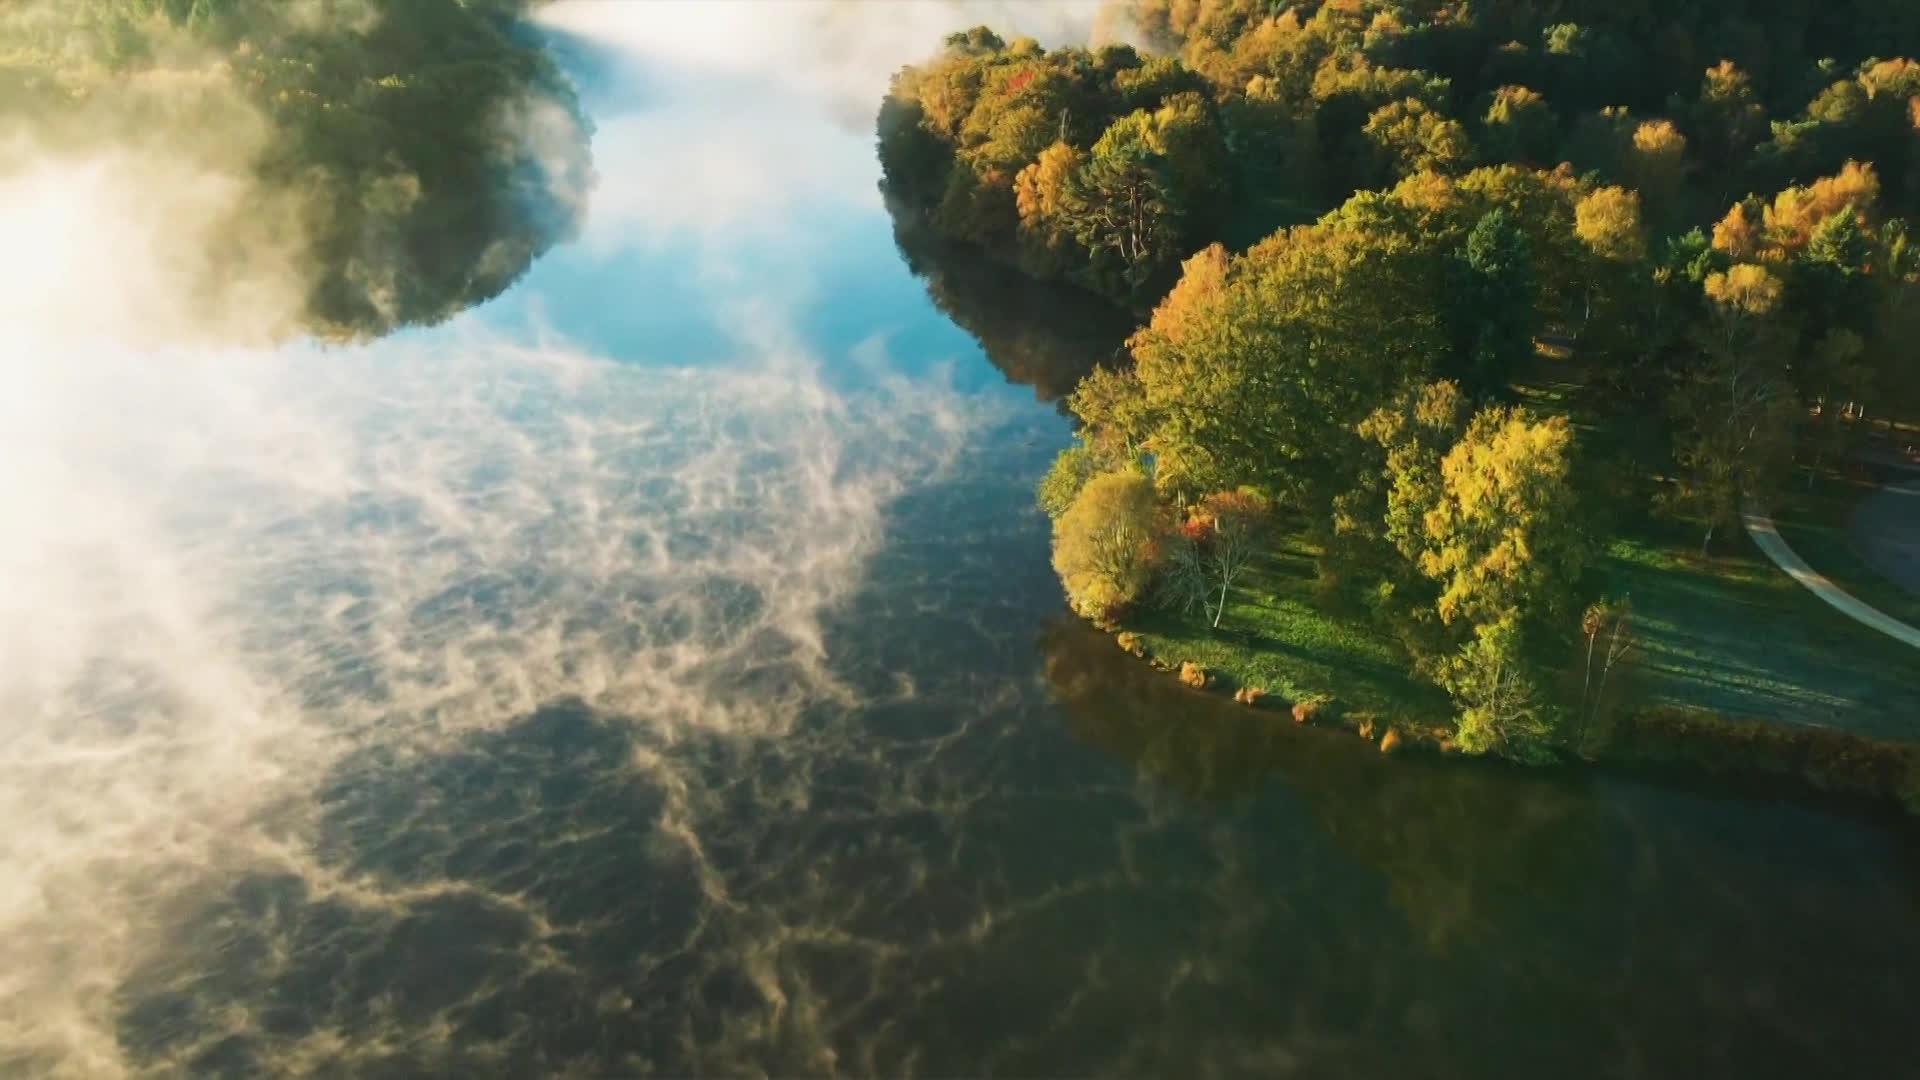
{"x":658,"y":670}
{"x":251,"y":565}
{"x":230,"y":570}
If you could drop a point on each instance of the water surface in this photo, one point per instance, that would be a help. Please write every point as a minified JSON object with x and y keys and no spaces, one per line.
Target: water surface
{"x":659,"y":671}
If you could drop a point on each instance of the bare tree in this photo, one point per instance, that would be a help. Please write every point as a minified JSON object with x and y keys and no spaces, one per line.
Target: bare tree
{"x":1240,"y":521}
{"x":1613,"y":621}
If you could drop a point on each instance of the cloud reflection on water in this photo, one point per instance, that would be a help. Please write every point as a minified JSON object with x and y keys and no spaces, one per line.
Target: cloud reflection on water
{"x":230,"y":571}
{"x":275,"y":559}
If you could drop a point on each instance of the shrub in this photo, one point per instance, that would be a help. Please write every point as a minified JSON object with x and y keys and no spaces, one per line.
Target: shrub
{"x":1103,"y":544}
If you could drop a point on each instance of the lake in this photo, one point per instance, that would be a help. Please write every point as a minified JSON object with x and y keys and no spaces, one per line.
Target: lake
{"x":658,"y":670}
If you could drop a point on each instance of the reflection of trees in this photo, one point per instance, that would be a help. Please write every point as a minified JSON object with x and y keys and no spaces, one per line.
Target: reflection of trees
{"x":413,"y":156}
{"x":1043,"y":334}
{"x":1459,"y":841}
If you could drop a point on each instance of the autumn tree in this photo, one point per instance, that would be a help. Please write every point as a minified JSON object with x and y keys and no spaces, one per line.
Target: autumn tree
{"x":1069,"y":474}
{"x":1735,"y":409}
{"x":1380,"y":521}
{"x":1040,"y":194}
{"x":1502,"y":708}
{"x":1608,"y":220}
{"x":1520,"y":126}
{"x":1255,"y":371}
{"x":1798,"y":213}
{"x":1607,"y":626}
{"x":1506,"y":532}
{"x":1618,"y":317}
{"x":1507,"y":538}
{"x":1409,"y":136}
{"x":1112,"y":405}
{"x":1121,"y":209}
{"x":1299,"y":108}
{"x":1657,"y":166}
{"x":1103,"y":544}
{"x":1215,"y":547}
{"x":1727,"y":115}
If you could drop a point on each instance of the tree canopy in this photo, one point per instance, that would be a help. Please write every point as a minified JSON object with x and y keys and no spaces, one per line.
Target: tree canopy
{"x":1246,"y":114}
{"x":1692,"y":217}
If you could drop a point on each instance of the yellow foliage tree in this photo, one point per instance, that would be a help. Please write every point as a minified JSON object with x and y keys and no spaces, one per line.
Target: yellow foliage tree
{"x":1040,"y":198}
{"x":1657,"y":164}
{"x":1203,"y":277}
{"x":1896,"y":78}
{"x":1608,"y":219}
{"x":1039,"y":190}
{"x":1736,"y":234}
{"x":1103,"y":544}
{"x":1734,"y":411}
{"x":1660,"y":144}
{"x":1729,"y":115}
{"x":1798,"y":211}
{"x":1746,"y":290}
{"x":1520,"y":125}
{"x":1505,"y":535}
{"x":1413,"y":137}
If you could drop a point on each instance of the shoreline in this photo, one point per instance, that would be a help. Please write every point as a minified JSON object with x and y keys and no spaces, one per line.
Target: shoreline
{"x":1684,"y":739}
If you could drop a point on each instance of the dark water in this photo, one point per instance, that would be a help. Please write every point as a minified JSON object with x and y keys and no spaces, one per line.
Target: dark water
{"x":808,"y":772}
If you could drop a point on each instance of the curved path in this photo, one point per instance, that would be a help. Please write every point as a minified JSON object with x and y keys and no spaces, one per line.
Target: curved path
{"x":1767,"y":535}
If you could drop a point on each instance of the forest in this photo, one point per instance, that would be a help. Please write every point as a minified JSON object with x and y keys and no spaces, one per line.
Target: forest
{"x":1447,"y":295}
{"x":425,"y":150}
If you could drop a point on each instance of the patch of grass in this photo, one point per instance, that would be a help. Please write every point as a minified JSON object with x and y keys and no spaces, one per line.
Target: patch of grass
{"x":1734,"y":635}
{"x":1280,"y":637}
{"x":1729,"y":634}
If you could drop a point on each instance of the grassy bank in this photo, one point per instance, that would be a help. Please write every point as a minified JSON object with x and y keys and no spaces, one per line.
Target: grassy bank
{"x":1738,"y":669}
{"x":1279,"y":636}
{"x":1732,"y":635}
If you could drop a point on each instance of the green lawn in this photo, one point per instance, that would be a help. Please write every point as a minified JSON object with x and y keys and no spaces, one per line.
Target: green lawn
{"x":1275,"y":637}
{"x":1735,"y":635}
{"x":1730,"y":634}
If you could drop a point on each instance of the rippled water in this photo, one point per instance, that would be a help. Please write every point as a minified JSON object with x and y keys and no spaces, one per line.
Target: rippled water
{"x":659,"y":671}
